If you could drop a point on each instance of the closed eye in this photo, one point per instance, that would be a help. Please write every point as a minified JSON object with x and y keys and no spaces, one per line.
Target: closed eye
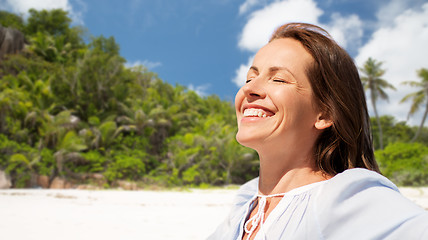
{"x":279,"y":80}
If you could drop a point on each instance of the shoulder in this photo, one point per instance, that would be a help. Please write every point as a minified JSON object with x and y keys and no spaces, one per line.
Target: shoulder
{"x":247,"y":192}
{"x":357,"y":179}
{"x":363,"y":199}
{"x":359,"y":185}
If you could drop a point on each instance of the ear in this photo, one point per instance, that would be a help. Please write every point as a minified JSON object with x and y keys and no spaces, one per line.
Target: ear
{"x":323,"y":122}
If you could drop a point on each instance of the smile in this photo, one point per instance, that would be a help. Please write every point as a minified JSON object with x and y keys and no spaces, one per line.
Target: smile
{"x":256,"y":112}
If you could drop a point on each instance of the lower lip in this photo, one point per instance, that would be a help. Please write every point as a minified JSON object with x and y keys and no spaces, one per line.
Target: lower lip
{"x":253,"y":119}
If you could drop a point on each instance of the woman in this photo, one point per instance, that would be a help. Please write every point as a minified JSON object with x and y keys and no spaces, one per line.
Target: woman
{"x":303,"y":110}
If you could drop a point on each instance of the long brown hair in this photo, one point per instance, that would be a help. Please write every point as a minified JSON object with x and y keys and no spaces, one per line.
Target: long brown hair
{"x":339,"y":93}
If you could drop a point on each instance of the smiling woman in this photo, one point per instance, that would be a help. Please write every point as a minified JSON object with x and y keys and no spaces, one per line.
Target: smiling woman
{"x":303,"y":110}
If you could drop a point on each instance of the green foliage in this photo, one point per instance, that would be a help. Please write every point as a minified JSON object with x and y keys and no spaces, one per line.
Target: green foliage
{"x":53,"y":22}
{"x":107,"y":130}
{"x":94,"y":162}
{"x":50,"y":48}
{"x":393,"y":131}
{"x":18,"y":168}
{"x":26,"y":63}
{"x":404,"y":163}
{"x":372,"y":81}
{"x":51,"y":36}
{"x":71,"y":142}
{"x":192,"y":175}
{"x":19,"y":160}
{"x":419,"y":98}
{"x":126,"y":165}
{"x":74,"y":109}
{"x":104,"y":45}
{"x":46,"y":165}
{"x":11,"y":20}
{"x":94,"y":121}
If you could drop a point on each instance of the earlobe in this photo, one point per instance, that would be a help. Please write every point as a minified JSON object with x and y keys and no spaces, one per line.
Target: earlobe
{"x":323,"y":122}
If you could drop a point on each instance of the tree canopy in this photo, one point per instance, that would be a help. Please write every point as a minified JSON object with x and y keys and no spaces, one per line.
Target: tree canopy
{"x":72,"y":109}
{"x":419,"y":97}
{"x":372,"y":81}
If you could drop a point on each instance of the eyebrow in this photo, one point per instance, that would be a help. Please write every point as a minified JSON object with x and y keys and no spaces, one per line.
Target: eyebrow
{"x":273,"y":69}
{"x":254,"y":69}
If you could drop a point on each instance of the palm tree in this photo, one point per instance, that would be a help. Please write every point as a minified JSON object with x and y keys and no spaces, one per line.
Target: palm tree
{"x":418,"y":97}
{"x":68,"y":149}
{"x":373,"y":81}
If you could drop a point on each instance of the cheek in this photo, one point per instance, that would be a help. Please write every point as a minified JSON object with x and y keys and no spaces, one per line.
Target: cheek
{"x":305,"y":111}
{"x":297,"y":108}
{"x":238,"y":101}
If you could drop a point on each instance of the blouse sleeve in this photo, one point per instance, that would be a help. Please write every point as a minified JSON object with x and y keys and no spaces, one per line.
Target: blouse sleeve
{"x":362,"y":204}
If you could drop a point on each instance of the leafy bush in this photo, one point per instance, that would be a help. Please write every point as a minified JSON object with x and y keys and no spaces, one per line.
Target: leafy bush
{"x":126,"y":165}
{"x":18,"y":159}
{"x":72,"y":108}
{"x":404,"y":163}
{"x":19,"y":168}
{"x":94,"y":162}
{"x":47,"y":163}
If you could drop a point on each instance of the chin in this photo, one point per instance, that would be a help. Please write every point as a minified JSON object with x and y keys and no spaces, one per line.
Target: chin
{"x":247,"y":140}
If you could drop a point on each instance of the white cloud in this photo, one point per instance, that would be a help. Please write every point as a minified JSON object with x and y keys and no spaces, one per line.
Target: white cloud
{"x":263,"y":22}
{"x":402,"y":47}
{"x":200,"y":90}
{"x":245,"y":7}
{"x":241,"y":73}
{"x":399,"y":40}
{"x":346,"y":30}
{"x":146,"y":63}
{"x":387,"y":14}
{"x":22,"y":7}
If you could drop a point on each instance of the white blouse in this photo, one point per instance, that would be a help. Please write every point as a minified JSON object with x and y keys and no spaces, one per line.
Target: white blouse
{"x":356,"y":204}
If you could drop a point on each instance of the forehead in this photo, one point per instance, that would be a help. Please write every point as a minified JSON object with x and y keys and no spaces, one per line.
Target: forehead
{"x":283,"y":52}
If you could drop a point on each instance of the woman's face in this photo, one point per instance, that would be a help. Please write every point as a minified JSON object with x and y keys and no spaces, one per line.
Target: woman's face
{"x":275,"y":108}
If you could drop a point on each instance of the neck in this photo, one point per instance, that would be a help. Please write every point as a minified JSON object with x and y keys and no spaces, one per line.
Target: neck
{"x":280,"y":173}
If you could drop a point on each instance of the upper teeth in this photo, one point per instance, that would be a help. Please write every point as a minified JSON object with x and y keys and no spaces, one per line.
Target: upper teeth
{"x":252,"y":112}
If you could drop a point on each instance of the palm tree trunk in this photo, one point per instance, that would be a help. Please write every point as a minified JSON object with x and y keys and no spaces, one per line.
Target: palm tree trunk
{"x":378,"y":121}
{"x":422,"y":123}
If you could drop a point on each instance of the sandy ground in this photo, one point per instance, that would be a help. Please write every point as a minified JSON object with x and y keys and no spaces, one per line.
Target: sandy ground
{"x":82,"y":214}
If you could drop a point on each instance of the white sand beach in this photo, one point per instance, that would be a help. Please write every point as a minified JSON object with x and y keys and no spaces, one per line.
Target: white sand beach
{"x":114,"y":214}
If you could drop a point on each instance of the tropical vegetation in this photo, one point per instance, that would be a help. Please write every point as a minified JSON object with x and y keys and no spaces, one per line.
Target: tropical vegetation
{"x":372,"y":81}
{"x":71,"y":108}
{"x":419,"y":98}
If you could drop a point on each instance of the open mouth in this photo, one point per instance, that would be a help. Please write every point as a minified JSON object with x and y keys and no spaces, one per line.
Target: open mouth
{"x":257,"y":112}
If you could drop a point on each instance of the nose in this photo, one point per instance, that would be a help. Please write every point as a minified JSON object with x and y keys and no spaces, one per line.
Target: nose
{"x":254,"y":89}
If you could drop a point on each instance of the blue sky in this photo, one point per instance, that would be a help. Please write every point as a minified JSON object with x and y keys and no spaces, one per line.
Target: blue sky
{"x":207,"y":45}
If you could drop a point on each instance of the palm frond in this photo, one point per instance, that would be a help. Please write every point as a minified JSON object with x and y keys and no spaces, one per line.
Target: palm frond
{"x":412,"y":83}
{"x":409,"y":96}
{"x":417,"y":102}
